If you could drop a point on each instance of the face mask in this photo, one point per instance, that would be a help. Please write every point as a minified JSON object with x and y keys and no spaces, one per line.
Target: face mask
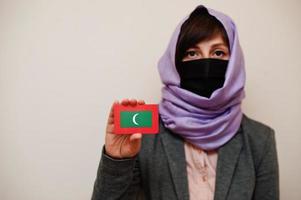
{"x":202,"y":76}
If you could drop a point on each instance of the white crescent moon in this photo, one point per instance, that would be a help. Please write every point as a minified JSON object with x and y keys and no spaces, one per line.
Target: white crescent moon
{"x":134,"y":119}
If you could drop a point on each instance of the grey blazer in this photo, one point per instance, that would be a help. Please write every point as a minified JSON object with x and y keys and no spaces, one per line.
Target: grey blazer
{"x":247,"y":168}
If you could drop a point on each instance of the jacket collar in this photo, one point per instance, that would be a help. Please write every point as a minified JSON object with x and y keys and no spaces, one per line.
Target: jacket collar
{"x":228,"y":156}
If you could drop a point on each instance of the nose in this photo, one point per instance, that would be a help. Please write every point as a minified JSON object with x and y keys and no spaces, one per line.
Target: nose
{"x":205,"y":54}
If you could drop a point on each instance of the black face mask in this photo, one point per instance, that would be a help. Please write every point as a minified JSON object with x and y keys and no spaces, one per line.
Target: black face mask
{"x":203,"y":76}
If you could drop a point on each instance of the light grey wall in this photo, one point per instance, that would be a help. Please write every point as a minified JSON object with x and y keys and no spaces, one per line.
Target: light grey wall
{"x":62,"y":63}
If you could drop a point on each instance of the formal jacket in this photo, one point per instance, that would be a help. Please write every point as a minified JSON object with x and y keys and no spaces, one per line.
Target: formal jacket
{"x":247,"y":168}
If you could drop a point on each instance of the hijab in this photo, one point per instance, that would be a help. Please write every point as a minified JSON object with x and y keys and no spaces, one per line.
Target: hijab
{"x":207,"y":123}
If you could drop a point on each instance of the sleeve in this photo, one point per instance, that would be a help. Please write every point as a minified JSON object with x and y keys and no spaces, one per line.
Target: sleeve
{"x":267,"y":172}
{"x":117,"y":179}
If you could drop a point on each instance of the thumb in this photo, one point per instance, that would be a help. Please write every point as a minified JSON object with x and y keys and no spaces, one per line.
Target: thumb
{"x":136,"y":136}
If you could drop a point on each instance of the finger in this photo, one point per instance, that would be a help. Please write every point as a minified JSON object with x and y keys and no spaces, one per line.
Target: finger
{"x":125,"y":102}
{"x":111,"y":120}
{"x":135,"y":136}
{"x":141,"y":102}
{"x":111,"y":114}
{"x":133,"y":102}
{"x":110,"y":128}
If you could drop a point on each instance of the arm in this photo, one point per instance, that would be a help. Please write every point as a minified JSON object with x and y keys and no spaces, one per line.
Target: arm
{"x":117,"y":179}
{"x":267,"y":172}
{"x":118,"y":175}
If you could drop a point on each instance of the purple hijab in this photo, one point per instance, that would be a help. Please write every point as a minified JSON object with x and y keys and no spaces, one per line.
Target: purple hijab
{"x":206,"y":123}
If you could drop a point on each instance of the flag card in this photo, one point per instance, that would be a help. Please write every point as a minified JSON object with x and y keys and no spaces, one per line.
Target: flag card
{"x":136,"y":119}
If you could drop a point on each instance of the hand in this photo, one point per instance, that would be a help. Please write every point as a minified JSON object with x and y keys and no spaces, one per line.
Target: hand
{"x":122,"y":146}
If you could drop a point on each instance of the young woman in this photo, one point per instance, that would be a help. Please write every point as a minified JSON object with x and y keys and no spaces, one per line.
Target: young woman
{"x":206,"y":148}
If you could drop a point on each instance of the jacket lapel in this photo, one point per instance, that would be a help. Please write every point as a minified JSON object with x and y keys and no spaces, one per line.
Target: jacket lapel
{"x":227,"y":159}
{"x":174,"y":149}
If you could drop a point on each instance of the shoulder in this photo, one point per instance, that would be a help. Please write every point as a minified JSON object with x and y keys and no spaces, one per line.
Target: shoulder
{"x":258,"y":137}
{"x":256,"y":131}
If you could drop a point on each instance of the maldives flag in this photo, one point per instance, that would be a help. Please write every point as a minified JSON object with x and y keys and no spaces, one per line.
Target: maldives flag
{"x":136,"y":119}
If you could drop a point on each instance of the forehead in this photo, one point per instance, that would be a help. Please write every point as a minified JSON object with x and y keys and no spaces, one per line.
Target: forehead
{"x":216,"y":40}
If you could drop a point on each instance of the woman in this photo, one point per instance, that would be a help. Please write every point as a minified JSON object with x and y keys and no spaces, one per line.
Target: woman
{"x":206,"y":148}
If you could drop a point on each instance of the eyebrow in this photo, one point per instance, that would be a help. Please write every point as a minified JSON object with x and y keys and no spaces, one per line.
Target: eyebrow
{"x":214,"y":45}
{"x":219,"y":44}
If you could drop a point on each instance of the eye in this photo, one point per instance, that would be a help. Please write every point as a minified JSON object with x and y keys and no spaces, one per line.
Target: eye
{"x":219,"y":53}
{"x":191,"y":54}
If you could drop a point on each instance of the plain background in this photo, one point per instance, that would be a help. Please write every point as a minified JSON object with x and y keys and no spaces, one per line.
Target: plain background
{"x":63,"y":62}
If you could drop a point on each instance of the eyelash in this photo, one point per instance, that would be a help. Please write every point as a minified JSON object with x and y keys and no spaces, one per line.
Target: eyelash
{"x":219,"y":51}
{"x":215,"y":53}
{"x":188,"y":52}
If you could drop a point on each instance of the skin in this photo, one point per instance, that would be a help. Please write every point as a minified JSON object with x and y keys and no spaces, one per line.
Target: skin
{"x":122,"y":146}
{"x":214,"y":47}
{"x":126,"y":146}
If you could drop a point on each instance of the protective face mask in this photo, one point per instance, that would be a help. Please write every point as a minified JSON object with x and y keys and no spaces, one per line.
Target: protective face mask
{"x":202,"y":76}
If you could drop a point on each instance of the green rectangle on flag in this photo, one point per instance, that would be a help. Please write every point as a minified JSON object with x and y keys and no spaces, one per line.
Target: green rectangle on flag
{"x":130,"y":119}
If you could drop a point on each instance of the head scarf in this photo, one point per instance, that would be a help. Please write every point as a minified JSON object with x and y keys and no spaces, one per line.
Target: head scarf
{"x":207,"y":123}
